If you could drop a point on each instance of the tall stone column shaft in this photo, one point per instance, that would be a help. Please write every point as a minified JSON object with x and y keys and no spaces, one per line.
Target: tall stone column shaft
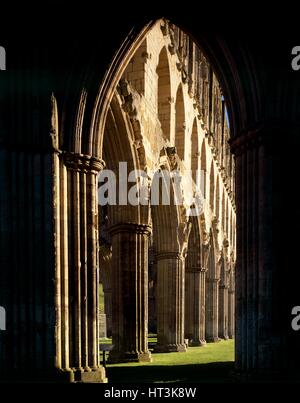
{"x":130,"y":243}
{"x":28,"y":346}
{"x":170,"y":302}
{"x":77,"y":268}
{"x":231,"y":313}
{"x":223,"y":311}
{"x":258,"y":339}
{"x":194,"y":304}
{"x":108,"y":311}
{"x":212,"y":309}
{"x":203,"y":273}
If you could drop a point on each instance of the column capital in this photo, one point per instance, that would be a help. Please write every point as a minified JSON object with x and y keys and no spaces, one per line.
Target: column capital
{"x":131,"y":228}
{"x":253,"y":137}
{"x":82,"y":162}
{"x":194,"y":269}
{"x":212,"y":280}
{"x":169,"y":255}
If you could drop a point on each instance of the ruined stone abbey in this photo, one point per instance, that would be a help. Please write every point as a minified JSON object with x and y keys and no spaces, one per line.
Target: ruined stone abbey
{"x":203,"y":115}
{"x":169,"y":107}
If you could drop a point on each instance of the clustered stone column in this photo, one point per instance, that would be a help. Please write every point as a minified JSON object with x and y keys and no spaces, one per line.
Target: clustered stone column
{"x":170,"y":302}
{"x":203,"y":273}
{"x":105,"y":279}
{"x":108,"y":310}
{"x":77,"y":268}
{"x":195,"y":305}
{"x":27,"y":349}
{"x":223,"y":309}
{"x":231,"y":307}
{"x":130,"y":243}
{"x":212,"y":309}
{"x":258,"y":339}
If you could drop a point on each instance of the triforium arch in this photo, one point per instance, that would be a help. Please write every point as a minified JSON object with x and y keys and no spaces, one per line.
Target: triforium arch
{"x":212,"y":188}
{"x":180,"y":125}
{"x":203,"y":169}
{"x":164,"y":99}
{"x":195,"y":153}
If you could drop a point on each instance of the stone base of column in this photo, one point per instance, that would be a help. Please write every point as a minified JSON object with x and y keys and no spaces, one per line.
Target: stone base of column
{"x":93,"y":376}
{"x":119,"y":357}
{"x":57,"y":376}
{"x":212,"y":339}
{"x":170,"y":348}
{"x":223,"y":337}
{"x":197,"y":343}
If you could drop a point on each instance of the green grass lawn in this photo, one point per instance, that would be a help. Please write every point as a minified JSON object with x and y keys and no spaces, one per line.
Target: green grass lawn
{"x":211,"y":363}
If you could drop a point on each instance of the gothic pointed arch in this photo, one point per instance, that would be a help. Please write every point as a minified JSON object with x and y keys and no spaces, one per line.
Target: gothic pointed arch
{"x":180,"y":123}
{"x":203,"y":179}
{"x":164,"y":93}
{"x":217,"y":206}
{"x":212,"y":187}
{"x":195,"y":152}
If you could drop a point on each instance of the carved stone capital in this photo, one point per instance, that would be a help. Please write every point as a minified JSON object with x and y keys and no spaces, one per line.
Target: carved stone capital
{"x":134,"y":228}
{"x":205,"y":254}
{"x":173,"y":157}
{"x":169,"y":255}
{"x":83,"y":162}
{"x":194,"y":269}
{"x":105,"y":251}
{"x":224,"y":287}
{"x":212,"y":280}
{"x":164,"y":28}
{"x":225,"y":243}
{"x":253,"y":138}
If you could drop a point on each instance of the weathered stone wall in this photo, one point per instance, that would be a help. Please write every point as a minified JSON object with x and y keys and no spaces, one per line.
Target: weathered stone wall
{"x":205,"y":133}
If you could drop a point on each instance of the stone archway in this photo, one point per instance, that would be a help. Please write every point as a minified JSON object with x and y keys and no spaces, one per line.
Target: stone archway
{"x":64,"y":166}
{"x":128,"y":230}
{"x":180,"y":125}
{"x":170,"y":238}
{"x":164,"y":93}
